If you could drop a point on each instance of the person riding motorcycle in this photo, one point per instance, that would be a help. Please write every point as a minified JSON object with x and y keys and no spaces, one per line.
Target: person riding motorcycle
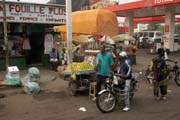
{"x":125,"y":72}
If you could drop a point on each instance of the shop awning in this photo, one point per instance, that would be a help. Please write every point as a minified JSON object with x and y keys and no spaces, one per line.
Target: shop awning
{"x":93,"y":22}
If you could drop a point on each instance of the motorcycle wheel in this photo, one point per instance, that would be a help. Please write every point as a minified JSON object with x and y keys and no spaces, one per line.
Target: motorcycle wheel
{"x":177,"y":79}
{"x":73,"y":88}
{"x":106,"y":102}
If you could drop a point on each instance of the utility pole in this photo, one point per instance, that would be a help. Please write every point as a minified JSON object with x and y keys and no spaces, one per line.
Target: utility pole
{"x":69,"y":29}
{"x":5,"y":34}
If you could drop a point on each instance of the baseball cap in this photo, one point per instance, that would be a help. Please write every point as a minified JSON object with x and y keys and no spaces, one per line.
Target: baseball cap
{"x":123,"y":54}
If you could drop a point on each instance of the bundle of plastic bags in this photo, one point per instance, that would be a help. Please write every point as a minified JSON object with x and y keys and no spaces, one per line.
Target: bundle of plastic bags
{"x":31,"y":88}
{"x":34,"y":74}
{"x":12,"y":77}
{"x":30,"y":82}
{"x":12,"y":81}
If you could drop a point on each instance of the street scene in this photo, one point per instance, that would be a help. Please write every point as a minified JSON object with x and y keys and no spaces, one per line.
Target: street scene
{"x":55,"y":101}
{"x":90,"y":59}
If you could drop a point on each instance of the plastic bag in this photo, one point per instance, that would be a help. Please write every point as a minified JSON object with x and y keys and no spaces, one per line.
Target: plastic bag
{"x":73,"y":76}
{"x":34,"y":74}
{"x":31,"y":88}
{"x":12,"y":81}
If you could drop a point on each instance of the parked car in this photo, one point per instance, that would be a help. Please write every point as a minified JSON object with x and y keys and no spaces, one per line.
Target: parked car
{"x":147,"y":38}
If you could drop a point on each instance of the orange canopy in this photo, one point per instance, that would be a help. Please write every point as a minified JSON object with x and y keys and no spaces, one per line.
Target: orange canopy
{"x":94,"y":22}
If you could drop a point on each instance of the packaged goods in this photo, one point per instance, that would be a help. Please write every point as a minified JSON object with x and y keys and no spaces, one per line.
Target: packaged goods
{"x":31,"y":88}
{"x":13,"y":71}
{"x":34,"y":74}
{"x":12,"y":81}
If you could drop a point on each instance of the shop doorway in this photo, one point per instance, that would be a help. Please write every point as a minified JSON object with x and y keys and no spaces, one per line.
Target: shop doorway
{"x":37,"y":47}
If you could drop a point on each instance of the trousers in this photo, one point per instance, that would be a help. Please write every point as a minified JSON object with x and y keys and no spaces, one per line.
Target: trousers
{"x":100,"y":81}
{"x":160,"y":86}
{"x":127,"y":94}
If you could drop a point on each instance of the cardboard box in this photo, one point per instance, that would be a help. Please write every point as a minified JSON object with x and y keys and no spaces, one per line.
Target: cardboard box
{"x":13,"y":71}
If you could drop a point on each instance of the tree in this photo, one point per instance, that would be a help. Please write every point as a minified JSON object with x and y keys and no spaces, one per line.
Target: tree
{"x":159,"y":27}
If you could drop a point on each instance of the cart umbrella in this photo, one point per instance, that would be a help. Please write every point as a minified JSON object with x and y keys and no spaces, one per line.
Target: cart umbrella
{"x":122,"y":37}
{"x":96,"y":22}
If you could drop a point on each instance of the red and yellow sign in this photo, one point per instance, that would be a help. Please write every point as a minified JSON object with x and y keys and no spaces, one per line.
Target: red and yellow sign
{"x":34,"y":13}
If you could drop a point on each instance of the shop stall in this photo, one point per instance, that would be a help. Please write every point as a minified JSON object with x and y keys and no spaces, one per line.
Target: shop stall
{"x":81,"y":74}
{"x":30,"y":33}
{"x":84,"y":28}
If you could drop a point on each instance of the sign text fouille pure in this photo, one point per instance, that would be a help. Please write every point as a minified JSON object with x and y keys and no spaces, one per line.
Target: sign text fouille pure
{"x":27,"y":8}
{"x":34,"y":13}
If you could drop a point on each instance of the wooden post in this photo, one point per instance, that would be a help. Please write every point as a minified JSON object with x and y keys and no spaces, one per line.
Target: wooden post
{"x":5,"y":34}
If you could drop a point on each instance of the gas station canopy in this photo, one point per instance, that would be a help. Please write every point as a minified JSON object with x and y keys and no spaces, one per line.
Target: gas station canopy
{"x":145,"y":8}
{"x":157,"y":19}
{"x":148,"y":9}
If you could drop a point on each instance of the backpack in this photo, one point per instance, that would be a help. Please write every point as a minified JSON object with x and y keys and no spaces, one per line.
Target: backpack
{"x":159,"y":68}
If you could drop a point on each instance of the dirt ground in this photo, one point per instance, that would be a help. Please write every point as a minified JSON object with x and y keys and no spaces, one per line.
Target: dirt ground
{"x":55,"y":103}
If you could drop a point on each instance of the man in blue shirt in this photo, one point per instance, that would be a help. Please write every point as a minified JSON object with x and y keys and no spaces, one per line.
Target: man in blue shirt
{"x":125,"y":72}
{"x":53,"y":59}
{"x":104,"y":64}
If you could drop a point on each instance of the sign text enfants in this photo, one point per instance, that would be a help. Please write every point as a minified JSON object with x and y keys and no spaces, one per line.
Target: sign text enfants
{"x":34,"y":13}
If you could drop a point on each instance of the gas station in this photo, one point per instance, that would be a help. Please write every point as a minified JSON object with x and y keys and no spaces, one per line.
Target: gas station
{"x":150,"y":9}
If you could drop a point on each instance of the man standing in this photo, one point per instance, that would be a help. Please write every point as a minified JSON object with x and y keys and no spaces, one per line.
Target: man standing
{"x":125,"y":72}
{"x":104,"y":64}
{"x":53,"y":59}
{"x":63,"y":57}
{"x":160,"y":71}
{"x":134,"y":53}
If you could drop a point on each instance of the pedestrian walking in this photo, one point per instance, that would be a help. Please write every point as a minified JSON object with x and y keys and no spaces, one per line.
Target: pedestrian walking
{"x":134,"y":53}
{"x":160,"y":71}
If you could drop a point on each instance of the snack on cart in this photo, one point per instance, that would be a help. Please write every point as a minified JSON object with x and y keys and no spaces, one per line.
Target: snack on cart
{"x":79,"y":74}
{"x":79,"y":68}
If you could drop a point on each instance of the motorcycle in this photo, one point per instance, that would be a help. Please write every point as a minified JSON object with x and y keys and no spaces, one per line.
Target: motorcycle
{"x":108,"y":98}
{"x":172,"y":70}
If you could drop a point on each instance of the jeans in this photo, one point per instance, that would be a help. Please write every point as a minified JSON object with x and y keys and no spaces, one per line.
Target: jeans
{"x":127,"y":94}
{"x":100,"y":81}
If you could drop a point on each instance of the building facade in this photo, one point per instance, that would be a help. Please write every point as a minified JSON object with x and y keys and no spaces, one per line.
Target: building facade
{"x":76,"y":4}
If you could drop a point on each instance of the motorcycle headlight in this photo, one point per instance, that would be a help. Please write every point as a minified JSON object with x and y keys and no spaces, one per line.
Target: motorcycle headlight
{"x":115,"y":80}
{"x":107,"y":80}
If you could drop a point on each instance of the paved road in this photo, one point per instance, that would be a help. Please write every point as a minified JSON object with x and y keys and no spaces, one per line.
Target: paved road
{"x":55,"y":102}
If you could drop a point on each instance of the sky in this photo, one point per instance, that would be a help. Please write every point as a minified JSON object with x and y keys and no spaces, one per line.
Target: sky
{"x":45,"y":1}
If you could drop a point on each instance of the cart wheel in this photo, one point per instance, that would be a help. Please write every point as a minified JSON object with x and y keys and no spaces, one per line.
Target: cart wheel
{"x":73,"y":88}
